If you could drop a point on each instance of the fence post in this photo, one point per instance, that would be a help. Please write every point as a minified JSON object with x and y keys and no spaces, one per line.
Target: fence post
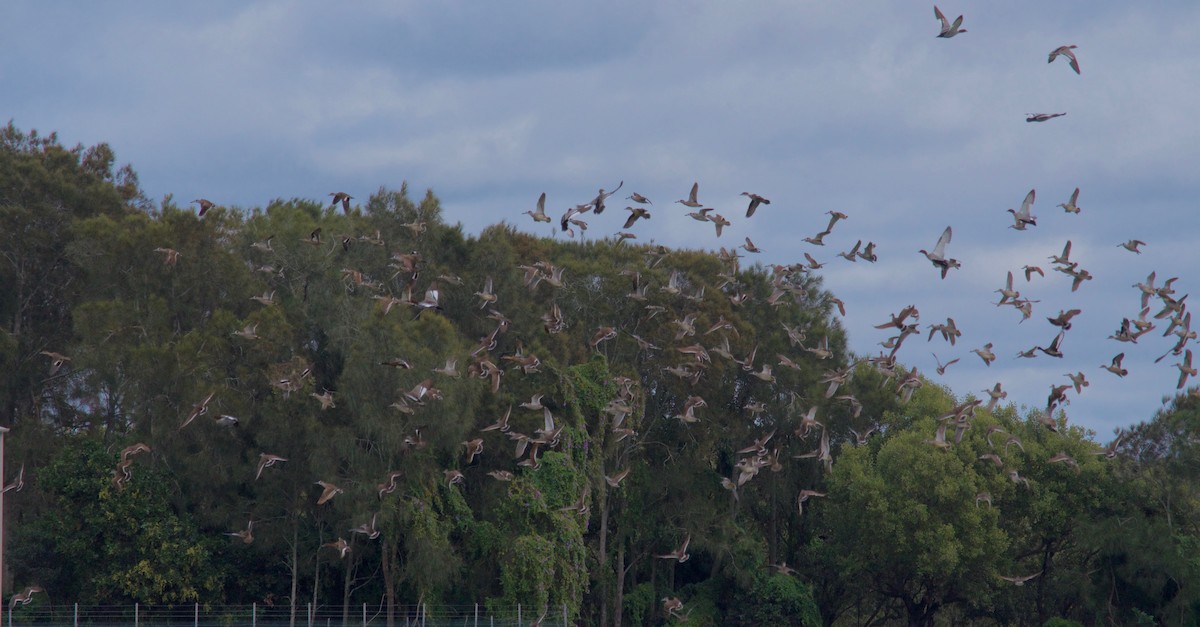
{"x":310,"y":615}
{"x":196,"y":616}
{"x":476,"y":615}
{"x":75,"y":619}
{"x":518,"y":613}
{"x":136,"y":609}
{"x":364,"y":615}
{"x":254,"y":614}
{"x":565,"y":615}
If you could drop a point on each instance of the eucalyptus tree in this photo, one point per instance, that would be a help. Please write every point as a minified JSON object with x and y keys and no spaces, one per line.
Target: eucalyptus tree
{"x":1144,"y":568}
{"x":45,"y":188}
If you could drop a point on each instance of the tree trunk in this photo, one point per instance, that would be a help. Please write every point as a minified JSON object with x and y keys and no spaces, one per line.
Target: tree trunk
{"x":619,"y":593}
{"x":295,"y":567}
{"x":389,"y":582}
{"x":773,"y":538}
{"x":317,"y":571}
{"x":603,"y":572}
{"x":347,"y":579}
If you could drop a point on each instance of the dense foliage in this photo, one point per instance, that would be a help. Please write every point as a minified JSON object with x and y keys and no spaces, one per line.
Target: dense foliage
{"x":749,"y":498}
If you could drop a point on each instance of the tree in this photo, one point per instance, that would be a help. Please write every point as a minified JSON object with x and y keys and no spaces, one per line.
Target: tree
{"x":104,"y":544}
{"x":906,"y":530}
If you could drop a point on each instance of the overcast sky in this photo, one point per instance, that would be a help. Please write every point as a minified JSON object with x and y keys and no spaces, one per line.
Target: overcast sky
{"x":855,"y":107}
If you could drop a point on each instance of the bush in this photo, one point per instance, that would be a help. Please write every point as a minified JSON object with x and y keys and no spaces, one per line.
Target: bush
{"x":774,"y":599}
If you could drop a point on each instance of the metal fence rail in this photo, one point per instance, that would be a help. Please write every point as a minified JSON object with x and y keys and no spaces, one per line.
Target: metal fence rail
{"x":200,"y":615}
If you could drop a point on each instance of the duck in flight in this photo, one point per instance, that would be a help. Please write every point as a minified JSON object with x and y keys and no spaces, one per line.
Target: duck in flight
{"x":948,"y":29}
{"x":1065,"y":51}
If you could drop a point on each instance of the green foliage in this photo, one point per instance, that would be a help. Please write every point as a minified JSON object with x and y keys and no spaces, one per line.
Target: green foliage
{"x":902,"y":533}
{"x":546,"y":563}
{"x":101,"y":544}
{"x":639,"y":603}
{"x":906,"y":520}
{"x":1061,"y":622}
{"x":431,"y":561}
{"x":774,"y":599}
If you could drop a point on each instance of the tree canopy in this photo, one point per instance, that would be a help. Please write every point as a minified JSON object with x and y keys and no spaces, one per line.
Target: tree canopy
{"x":345,"y":403}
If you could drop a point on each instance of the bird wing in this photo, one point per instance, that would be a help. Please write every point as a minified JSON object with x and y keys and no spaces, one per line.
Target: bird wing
{"x":1028,"y":203}
{"x":938,"y":14}
{"x":940,"y":249}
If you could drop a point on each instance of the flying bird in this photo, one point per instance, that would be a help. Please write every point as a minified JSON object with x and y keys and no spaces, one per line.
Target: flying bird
{"x":680,"y":554}
{"x":634,"y":214}
{"x":540,"y":214}
{"x":328,"y":491}
{"x":615,"y":480}
{"x":197,"y":410}
{"x":996,"y":394}
{"x":171,"y":256}
{"x":501,"y":424}
{"x":638,"y":198}
{"x":325,"y":398}
{"x":205,"y":205}
{"x":938,"y":256}
{"x":343,"y":198}
{"x":1185,"y":369}
{"x":691,"y":199}
{"x":1070,"y":206}
{"x":247,"y":534}
{"x":1132,"y":245}
{"x":24,"y":597}
{"x":985,"y":354}
{"x":266,"y":460}
{"x":1053,"y":350}
{"x":1063,"y":319}
{"x":1066,"y":52}
{"x":368,"y":528}
{"x":487,"y":295}
{"x":1065,"y":258}
{"x":341,"y":546}
{"x":502,"y":475}
{"x":598,"y":204}
{"x":1042,"y":117}
{"x":56,"y":361}
{"x":1023,"y":217}
{"x":948,"y":30}
{"x":941,"y":368}
{"x":755,"y":201}
{"x":18,"y":484}
{"x":1019,"y":581}
{"x":473,"y":449}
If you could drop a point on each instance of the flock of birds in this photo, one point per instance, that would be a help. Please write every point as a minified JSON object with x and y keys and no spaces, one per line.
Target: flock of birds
{"x":694,"y":349}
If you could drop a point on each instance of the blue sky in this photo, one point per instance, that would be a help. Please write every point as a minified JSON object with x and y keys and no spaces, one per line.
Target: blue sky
{"x":854,"y":107}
